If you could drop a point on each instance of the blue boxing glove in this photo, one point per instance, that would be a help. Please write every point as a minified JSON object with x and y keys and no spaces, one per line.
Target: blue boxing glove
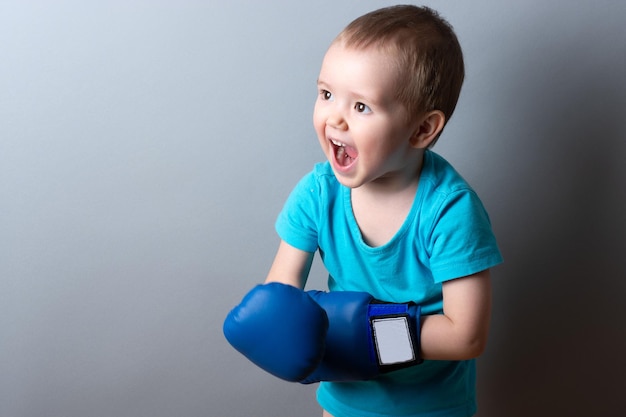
{"x":317,"y":336}
{"x":280,"y":329}
{"x":366,"y":337}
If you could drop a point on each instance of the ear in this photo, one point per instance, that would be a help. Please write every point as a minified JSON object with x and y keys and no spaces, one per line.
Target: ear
{"x":431,"y":124}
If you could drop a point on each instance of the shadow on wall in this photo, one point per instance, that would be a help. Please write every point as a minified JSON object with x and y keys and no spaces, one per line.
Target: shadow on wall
{"x":559,"y":336}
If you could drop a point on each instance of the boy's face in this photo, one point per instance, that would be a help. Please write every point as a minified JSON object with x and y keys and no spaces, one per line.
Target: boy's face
{"x":362,"y":128}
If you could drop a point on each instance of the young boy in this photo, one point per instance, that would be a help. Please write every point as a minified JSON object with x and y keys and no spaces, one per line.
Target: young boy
{"x":391,"y":218}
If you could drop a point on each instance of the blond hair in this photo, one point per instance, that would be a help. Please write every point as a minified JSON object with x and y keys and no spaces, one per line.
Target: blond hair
{"x":425,"y":51}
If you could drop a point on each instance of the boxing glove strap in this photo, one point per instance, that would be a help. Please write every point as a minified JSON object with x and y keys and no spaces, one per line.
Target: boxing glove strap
{"x":394,"y":332}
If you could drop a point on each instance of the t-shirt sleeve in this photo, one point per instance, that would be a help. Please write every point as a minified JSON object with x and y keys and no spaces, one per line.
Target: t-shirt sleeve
{"x":462,"y":240}
{"x":297,"y":223}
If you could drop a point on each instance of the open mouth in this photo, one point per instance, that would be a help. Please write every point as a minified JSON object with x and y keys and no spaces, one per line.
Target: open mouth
{"x":345,"y":155}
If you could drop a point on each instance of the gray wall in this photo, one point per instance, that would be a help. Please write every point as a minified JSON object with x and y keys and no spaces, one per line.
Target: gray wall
{"x":147,"y":146}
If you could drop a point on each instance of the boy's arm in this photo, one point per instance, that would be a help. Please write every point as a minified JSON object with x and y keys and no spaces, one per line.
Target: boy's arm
{"x":291,"y":266}
{"x":461,"y":331}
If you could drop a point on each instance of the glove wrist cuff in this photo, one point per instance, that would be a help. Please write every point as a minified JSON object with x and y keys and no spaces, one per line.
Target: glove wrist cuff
{"x":394,"y":335}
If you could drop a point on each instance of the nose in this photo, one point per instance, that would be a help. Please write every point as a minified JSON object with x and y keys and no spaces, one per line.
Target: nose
{"x":336,"y":120}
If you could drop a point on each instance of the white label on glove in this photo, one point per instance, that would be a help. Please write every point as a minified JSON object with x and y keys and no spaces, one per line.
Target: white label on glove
{"x":393,"y":340}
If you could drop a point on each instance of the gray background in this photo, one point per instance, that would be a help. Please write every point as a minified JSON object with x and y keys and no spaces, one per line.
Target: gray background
{"x":147,"y":146}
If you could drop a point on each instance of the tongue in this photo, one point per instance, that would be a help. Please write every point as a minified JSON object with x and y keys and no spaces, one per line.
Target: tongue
{"x":350,"y":151}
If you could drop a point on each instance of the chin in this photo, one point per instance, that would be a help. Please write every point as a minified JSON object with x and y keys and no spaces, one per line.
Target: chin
{"x":346,"y":180}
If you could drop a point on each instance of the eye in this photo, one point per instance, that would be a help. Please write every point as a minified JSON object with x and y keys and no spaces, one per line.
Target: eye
{"x":326,"y":95}
{"x":362,"y":108}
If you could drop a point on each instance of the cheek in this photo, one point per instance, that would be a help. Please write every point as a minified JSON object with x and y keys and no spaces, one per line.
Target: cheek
{"x":318,"y":121}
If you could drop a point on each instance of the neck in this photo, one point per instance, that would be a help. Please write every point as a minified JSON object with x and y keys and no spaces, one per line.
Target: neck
{"x":381,"y":207}
{"x":396,"y":182}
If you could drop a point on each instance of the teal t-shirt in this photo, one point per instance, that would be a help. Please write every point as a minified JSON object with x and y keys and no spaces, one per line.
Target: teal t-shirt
{"x":446,"y":235}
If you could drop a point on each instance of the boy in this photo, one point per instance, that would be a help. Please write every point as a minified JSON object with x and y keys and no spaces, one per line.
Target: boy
{"x":390,"y":217}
